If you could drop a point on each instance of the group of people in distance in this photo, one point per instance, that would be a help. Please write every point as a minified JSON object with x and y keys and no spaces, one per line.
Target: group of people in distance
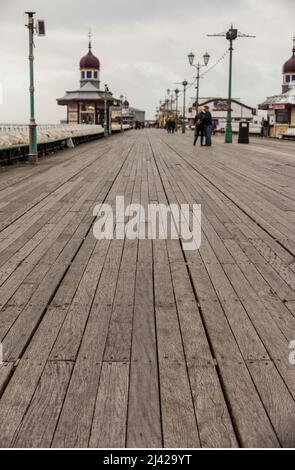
{"x":203,"y":126}
{"x":171,"y":125}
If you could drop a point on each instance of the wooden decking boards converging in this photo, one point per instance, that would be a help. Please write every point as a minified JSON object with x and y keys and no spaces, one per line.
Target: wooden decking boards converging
{"x":138,"y":343}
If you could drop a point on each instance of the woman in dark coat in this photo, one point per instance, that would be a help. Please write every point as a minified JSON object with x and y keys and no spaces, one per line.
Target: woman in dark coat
{"x":199,"y":127}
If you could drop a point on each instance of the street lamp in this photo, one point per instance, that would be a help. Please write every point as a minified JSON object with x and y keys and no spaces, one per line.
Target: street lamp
{"x":167,"y":106}
{"x":161,"y":113}
{"x":184,"y":84}
{"x":231,"y":35}
{"x":191,"y":58}
{"x":40,"y":30}
{"x":171,"y":102}
{"x":121,"y":98}
{"x":106,"y":91}
{"x":176,"y":106}
{"x":168,"y":100}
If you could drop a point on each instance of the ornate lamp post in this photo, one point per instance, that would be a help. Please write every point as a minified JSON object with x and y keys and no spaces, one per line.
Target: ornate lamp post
{"x":176,"y":107}
{"x":161,"y":113}
{"x":171,"y":102}
{"x":184,"y":84}
{"x":231,"y":35}
{"x":168,"y":100}
{"x":106,"y":130}
{"x":191,"y":58}
{"x":40,"y":30}
{"x":121,"y":99}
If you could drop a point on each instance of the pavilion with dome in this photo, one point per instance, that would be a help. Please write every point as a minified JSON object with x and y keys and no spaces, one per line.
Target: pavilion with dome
{"x":86,"y":105}
{"x":281,"y":108}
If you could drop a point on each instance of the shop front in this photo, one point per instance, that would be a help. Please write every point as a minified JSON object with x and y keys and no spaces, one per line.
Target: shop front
{"x":281,"y":113}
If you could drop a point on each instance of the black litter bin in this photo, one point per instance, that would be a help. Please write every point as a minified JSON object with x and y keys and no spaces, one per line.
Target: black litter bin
{"x":244,"y":133}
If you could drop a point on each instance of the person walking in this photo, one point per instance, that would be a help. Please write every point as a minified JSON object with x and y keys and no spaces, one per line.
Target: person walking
{"x":266,"y":128}
{"x":262,"y":128}
{"x":199,"y":127}
{"x":173,"y":125}
{"x":208,"y":126}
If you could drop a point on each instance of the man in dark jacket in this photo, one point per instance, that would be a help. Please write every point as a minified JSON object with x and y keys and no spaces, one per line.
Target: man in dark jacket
{"x":199,"y":127}
{"x":173,"y":125}
{"x":208,"y":125}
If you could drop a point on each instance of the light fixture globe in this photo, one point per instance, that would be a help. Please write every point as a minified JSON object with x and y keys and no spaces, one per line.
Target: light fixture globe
{"x":232,"y":34}
{"x":191,"y":58}
{"x":206,"y":58}
{"x":185,"y":83}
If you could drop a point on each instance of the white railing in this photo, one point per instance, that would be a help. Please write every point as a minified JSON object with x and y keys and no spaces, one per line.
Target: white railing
{"x":17,"y":134}
{"x":253,"y":129}
{"x":290,"y":132}
{"x":117,"y":127}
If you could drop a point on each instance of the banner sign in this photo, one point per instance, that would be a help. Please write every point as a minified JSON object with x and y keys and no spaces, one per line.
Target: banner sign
{"x":278,"y":106}
{"x":220,"y":105}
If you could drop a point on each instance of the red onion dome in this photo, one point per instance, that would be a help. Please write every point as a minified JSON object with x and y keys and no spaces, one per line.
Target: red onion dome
{"x":289,"y":66}
{"x":89,"y":61}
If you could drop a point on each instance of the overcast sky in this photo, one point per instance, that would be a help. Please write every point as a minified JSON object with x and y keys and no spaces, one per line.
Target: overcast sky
{"x":142,"y":46}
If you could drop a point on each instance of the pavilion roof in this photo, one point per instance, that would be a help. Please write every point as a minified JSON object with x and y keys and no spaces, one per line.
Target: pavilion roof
{"x":284,"y":98}
{"x":87,"y":92}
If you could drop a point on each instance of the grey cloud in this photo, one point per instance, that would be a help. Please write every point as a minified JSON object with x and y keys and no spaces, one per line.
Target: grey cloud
{"x":143,"y":47}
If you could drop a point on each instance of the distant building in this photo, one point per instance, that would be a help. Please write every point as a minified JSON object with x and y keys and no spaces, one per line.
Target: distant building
{"x":218,"y":108}
{"x":132,"y":115}
{"x":281,"y":108}
{"x":86,"y":104}
{"x":138,"y":114}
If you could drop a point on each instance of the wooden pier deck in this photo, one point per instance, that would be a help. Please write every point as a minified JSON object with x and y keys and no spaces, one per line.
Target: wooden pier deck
{"x":140,"y":343}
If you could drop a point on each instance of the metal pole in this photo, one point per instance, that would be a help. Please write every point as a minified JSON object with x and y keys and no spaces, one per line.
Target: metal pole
{"x":176,"y":112}
{"x":33,"y":152}
{"x":176,"y":91}
{"x":229,"y":131}
{"x":198,"y":88}
{"x":121,"y":99}
{"x":184,"y":104}
{"x":106,"y":133}
{"x":231,"y":35}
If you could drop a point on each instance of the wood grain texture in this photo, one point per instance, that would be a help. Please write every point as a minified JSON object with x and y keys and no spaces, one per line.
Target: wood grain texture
{"x":139,"y":343}
{"x":110,"y":416}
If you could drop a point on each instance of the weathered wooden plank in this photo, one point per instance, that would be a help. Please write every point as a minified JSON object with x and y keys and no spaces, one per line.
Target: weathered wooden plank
{"x":251,"y":420}
{"x":144,"y":416}
{"x":16,"y":398}
{"x":277,"y":400}
{"x":110,"y":416}
{"x":214,"y":421}
{"x":178,"y":416}
{"x":144,"y":427}
{"x":6,"y":370}
{"x":40,"y":421}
